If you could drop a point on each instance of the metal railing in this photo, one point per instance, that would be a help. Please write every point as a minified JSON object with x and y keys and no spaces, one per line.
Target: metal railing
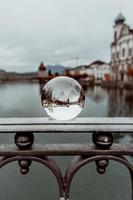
{"x":101,"y":150}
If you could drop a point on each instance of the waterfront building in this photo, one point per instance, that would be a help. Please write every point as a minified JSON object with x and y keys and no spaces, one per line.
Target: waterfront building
{"x":76,"y":71}
{"x":101,"y":71}
{"x":97,"y":71}
{"x":42,"y":70}
{"x":122,"y":50}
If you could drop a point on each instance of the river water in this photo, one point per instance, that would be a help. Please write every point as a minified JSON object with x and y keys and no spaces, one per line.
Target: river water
{"x":23,"y":100}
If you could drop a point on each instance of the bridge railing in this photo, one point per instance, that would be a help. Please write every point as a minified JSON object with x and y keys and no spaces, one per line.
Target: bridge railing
{"x":101,"y":150}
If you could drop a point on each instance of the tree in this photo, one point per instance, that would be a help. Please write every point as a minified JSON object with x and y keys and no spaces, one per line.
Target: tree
{"x":49,"y":72}
{"x":57,"y":74}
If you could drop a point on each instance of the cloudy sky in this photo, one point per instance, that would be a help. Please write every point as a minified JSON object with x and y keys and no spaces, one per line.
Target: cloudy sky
{"x":68,"y":32}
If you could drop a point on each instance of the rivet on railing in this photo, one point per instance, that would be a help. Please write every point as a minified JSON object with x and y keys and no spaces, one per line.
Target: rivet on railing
{"x":104,"y":141}
{"x":101,"y":165}
{"x":24,"y":141}
{"x":24,"y":166}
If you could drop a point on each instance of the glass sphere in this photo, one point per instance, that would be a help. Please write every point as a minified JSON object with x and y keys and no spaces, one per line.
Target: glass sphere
{"x":62,"y":98}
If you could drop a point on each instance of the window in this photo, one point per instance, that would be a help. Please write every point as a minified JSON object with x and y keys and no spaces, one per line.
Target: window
{"x":113,"y":56}
{"x":123,"y":52}
{"x":115,"y":35}
{"x":130,"y":52}
{"x":122,"y":67}
{"x":117,"y":54}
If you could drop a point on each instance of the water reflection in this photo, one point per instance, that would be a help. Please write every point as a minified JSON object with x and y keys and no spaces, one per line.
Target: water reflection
{"x":114,"y":102}
{"x":96,"y":94}
{"x":99,"y":102}
{"x":120,"y":103}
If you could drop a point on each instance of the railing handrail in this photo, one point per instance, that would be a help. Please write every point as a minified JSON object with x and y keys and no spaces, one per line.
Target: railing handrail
{"x":78,"y":125}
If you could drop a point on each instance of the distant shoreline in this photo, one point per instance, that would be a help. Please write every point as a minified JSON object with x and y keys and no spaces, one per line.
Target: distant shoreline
{"x":33,"y":77}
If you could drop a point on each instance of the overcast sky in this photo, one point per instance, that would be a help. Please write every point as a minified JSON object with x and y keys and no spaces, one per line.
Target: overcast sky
{"x":57,"y":31}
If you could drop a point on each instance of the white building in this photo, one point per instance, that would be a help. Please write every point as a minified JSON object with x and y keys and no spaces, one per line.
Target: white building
{"x":122,"y":50}
{"x":98,"y":70}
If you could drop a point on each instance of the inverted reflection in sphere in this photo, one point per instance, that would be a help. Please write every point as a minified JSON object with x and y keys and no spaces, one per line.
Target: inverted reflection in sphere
{"x":62,"y":98}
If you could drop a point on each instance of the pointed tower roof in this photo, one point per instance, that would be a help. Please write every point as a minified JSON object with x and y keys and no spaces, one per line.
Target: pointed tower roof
{"x":42,"y":66}
{"x":120,"y":18}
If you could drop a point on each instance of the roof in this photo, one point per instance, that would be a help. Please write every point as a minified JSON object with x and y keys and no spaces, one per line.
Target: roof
{"x":97,"y":62}
{"x":120,"y":18}
{"x":42,"y":66}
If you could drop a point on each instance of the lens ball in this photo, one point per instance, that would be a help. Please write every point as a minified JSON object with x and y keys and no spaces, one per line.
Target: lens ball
{"x":63,"y":98}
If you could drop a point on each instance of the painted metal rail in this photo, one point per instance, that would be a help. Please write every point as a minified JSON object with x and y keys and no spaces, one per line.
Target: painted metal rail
{"x":101,"y":150}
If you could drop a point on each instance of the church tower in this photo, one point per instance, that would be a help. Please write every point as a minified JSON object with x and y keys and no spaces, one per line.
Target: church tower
{"x":119,"y":26}
{"x":42,"y":70}
{"x":122,"y":50}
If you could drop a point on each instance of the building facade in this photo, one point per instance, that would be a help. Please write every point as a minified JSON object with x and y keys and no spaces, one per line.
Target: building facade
{"x":122,"y":50}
